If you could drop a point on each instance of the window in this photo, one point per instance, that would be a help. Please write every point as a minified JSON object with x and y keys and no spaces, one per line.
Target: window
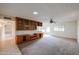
{"x":45,"y":29}
{"x":59,"y":28}
{"x":39,"y":28}
{"x":48,"y":29}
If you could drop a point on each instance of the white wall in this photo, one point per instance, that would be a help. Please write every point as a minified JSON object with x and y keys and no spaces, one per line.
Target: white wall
{"x":70,"y":29}
{"x":30,"y":32}
{"x":78,"y":31}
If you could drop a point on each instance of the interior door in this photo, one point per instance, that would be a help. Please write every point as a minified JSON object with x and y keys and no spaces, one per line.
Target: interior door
{"x":0,"y":33}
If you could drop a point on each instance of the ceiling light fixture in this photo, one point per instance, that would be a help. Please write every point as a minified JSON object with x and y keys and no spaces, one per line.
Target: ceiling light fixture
{"x":35,"y":13}
{"x":51,"y":21}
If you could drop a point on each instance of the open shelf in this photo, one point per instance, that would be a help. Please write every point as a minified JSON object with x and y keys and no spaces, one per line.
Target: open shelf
{"x":26,"y":24}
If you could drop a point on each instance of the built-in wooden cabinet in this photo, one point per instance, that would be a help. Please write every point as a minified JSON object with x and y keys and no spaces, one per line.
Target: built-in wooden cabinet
{"x":39,"y":24}
{"x":26,"y":24}
{"x":27,"y":38}
{"x":19,"y":39}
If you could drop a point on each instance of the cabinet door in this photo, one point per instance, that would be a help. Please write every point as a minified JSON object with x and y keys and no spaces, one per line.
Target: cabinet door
{"x":19,"y":24}
{"x":19,"y":39}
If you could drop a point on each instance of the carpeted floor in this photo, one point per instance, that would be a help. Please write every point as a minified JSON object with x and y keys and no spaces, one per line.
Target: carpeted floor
{"x":50,"y":45}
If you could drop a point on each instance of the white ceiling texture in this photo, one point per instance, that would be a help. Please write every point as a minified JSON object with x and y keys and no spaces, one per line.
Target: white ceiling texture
{"x":59,"y":12}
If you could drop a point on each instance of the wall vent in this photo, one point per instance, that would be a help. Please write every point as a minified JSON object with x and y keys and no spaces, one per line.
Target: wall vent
{"x":7,"y":18}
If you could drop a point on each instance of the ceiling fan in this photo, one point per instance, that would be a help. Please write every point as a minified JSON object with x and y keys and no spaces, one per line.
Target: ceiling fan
{"x":51,"y":21}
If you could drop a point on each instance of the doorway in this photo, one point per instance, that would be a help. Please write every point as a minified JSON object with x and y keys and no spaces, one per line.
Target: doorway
{"x":0,"y":33}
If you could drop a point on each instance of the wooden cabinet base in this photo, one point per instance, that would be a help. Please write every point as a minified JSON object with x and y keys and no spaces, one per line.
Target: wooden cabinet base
{"x":27,"y":38}
{"x":19,"y":39}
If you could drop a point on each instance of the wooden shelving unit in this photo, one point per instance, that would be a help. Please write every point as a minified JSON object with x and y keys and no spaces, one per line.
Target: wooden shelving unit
{"x":26,"y":24}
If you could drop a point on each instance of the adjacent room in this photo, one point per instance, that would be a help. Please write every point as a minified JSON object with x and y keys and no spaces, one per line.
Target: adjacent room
{"x":39,"y":28}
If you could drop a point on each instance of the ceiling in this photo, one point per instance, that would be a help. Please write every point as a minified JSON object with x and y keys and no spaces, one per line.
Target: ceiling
{"x":60,"y":12}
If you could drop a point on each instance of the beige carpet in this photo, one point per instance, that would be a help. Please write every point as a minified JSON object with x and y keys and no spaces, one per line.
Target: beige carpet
{"x":50,"y":45}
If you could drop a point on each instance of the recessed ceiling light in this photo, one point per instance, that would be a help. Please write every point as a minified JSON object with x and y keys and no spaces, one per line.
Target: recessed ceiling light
{"x":35,"y":13}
